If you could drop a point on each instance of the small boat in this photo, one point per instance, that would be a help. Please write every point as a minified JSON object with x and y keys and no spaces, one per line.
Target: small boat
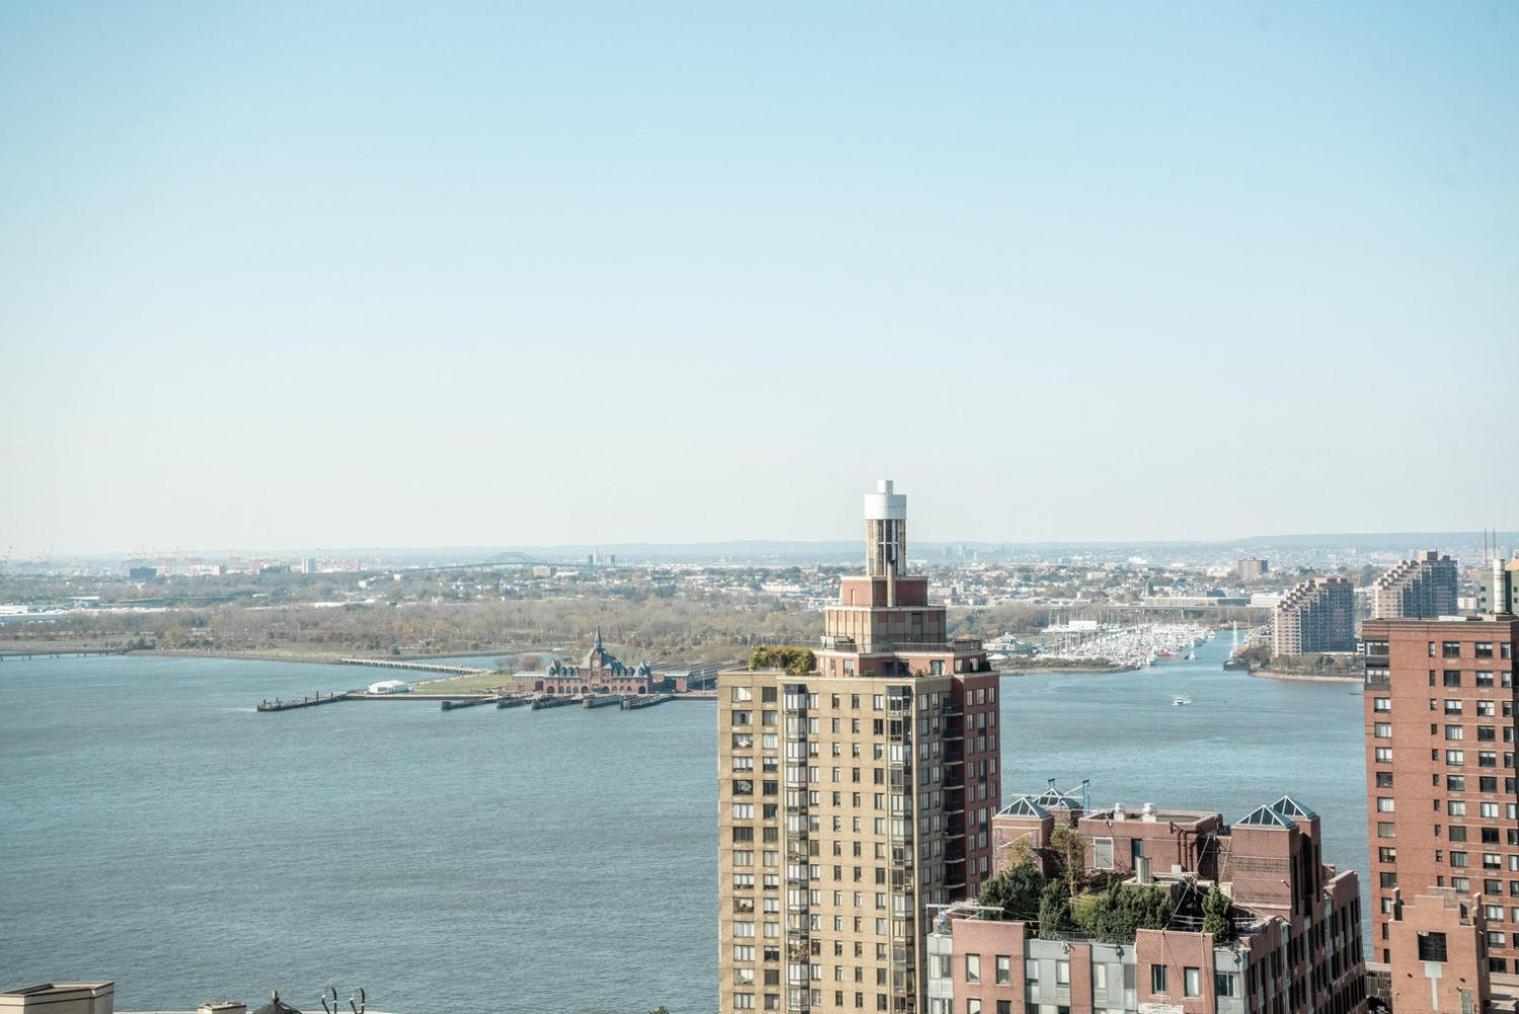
{"x":1177,"y":702}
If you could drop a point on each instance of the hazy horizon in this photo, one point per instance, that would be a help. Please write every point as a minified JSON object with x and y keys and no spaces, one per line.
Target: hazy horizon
{"x":306,"y":275}
{"x":1505,"y":543}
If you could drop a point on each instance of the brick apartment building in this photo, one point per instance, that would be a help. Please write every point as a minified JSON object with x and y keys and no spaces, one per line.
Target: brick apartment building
{"x":1298,"y":921}
{"x":1443,"y":806}
{"x":1316,"y":615}
{"x":853,"y":797}
{"x":1422,"y":588}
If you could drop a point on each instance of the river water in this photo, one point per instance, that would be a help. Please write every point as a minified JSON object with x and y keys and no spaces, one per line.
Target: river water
{"x":155,"y":830}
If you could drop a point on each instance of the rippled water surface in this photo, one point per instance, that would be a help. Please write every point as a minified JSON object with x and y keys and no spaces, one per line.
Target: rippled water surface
{"x":156,"y":831}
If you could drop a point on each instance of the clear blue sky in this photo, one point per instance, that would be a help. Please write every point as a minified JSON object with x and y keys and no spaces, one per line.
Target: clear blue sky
{"x":338,"y":274}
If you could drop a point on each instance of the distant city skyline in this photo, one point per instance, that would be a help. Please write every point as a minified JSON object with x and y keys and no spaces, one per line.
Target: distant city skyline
{"x":297,"y":276}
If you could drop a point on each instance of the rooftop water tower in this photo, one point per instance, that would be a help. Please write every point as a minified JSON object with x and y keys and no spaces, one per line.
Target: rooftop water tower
{"x":886,"y":536}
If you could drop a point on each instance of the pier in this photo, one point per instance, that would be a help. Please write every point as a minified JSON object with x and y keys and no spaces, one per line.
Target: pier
{"x":539,"y":703}
{"x":637,"y":701}
{"x":603,"y":700}
{"x":468,"y":702}
{"x":304,"y":702}
{"x":61,"y":653}
{"x":397,"y":663}
{"x":455,"y":702}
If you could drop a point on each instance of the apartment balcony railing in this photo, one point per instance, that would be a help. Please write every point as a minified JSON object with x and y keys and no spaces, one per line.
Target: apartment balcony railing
{"x":884,"y":646}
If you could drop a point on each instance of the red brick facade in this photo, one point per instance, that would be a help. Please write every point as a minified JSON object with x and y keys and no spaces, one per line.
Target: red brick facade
{"x":1442,"y":805}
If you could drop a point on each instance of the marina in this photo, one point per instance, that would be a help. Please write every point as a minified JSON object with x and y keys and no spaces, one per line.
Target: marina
{"x":1127,"y":646}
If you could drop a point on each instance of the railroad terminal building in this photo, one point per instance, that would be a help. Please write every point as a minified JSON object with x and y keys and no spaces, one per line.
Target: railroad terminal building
{"x":600,"y":672}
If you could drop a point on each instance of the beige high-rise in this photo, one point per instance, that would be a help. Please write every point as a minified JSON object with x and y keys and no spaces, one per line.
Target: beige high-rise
{"x":854,"y":797}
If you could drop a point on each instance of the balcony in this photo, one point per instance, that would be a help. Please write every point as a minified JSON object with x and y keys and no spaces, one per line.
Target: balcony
{"x":884,"y":646}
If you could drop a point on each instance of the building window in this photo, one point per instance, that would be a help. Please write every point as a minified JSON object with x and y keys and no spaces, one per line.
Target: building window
{"x":1099,"y":977}
{"x":1382,"y":730}
{"x":1062,"y":973}
{"x":1381,"y":704}
{"x":1157,"y":978}
{"x":1431,"y":946}
{"x":1004,"y":970}
{"x":1225,"y":984}
{"x":1453,"y":677}
{"x":1450,"y":649}
{"x":1483,"y":649}
{"x":1191,"y":981}
{"x":973,"y":1006}
{"x":1385,"y":804}
{"x":1102,"y":853}
{"x":973,"y":969}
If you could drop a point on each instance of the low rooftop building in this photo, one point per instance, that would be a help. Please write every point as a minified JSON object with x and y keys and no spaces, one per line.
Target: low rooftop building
{"x":61,"y":998}
{"x":1283,"y":928}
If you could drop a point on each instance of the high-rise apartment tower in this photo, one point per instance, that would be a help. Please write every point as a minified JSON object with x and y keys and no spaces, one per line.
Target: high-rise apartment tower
{"x":1317,"y":615}
{"x":1423,"y":588}
{"x":854,"y":793}
{"x":1443,"y":804}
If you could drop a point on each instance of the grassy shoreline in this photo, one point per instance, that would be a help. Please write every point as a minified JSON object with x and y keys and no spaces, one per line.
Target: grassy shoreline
{"x":1304,"y":677}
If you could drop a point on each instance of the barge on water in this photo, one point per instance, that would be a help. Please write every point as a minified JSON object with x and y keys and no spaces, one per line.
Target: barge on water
{"x":637,"y":701}
{"x":468,"y":702}
{"x":602,"y":700}
{"x":539,"y":703}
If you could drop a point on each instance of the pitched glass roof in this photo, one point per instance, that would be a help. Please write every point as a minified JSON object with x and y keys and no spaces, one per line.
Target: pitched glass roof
{"x":1054,"y":797}
{"x":1024,"y":806}
{"x":1263,"y":816}
{"x":1289,"y":807}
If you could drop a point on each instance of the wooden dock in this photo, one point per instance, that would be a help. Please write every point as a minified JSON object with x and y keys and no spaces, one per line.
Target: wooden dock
{"x":304,"y":702}
{"x":637,"y":701}
{"x":398,"y":663}
{"x":454,"y":704}
{"x":539,"y":703}
{"x":26,"y":653}
{"x":602,"y":700}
